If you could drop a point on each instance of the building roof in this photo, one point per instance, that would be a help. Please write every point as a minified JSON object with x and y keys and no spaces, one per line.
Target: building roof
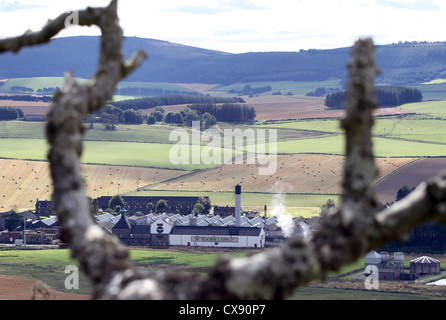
{"x":424,"y":259}
{"x":373,"y":257}
{"x":221,"y":231}
{"x":123,"y":223}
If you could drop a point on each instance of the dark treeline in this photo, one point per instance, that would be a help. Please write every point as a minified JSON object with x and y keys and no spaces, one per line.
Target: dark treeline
{"x":248,"y":90}
{"x":27,"y":98}
{"x":429,"y":237}
{"x":149,"y":103}
{"x":21,"y":89}
{"x":388,"y":96}
{"x":10,"y":113}
{"x":226,"y":112}
{"x":141,"y":91}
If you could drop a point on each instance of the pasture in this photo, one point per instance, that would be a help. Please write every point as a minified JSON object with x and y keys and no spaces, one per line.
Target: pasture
{"x":36,"y":83}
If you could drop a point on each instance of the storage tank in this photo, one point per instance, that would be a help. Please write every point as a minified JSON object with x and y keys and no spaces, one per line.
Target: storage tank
{"x":373,"y":258}
{"x":398,"y":259}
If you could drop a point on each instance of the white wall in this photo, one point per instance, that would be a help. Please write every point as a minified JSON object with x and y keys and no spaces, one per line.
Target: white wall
{"x":160,"y":225}
{"x":218,"y":241}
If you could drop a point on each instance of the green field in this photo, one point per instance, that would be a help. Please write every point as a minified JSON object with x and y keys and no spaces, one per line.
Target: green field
{"x":48,"y":266}
{"x":295,"y":87}
{"x":36,"y":83}
{"x":154,"y":155}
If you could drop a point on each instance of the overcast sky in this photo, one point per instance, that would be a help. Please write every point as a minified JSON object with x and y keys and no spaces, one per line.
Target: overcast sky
{"x":241,"y":25}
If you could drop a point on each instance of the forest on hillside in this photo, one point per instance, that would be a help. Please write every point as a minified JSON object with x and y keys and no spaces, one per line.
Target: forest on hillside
{"x":388,"y":96}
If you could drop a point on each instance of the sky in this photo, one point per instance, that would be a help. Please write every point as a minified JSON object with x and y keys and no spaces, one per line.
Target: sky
{"x":239,"y":26}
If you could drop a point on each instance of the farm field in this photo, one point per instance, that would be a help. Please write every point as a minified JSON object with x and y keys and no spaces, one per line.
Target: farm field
{"x":36,"y":83}
{"x":154,"y":155}
{"x":410,"y":175}
{"x":23,"y":182}
{"x":383,"y":147}
{"x":298,"y":173}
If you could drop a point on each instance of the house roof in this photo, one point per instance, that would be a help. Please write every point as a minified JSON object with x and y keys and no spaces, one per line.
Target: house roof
{"x":221,"y":231}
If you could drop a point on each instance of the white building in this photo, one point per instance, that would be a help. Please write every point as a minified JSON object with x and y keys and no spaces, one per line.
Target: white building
{"x":160,"y":230}
{"x":236,"y":237}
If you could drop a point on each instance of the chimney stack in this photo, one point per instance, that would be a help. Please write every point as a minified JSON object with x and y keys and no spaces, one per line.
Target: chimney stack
{"x":238,"y":205}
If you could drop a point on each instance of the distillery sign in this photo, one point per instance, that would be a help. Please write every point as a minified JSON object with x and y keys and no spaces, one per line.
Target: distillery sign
{"x":214,"y":239}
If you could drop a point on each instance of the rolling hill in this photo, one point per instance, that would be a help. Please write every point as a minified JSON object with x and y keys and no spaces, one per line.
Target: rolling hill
{"x":404,"y":63}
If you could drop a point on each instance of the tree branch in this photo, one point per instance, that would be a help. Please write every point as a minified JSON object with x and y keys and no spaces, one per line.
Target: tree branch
{"x":345,"y":235}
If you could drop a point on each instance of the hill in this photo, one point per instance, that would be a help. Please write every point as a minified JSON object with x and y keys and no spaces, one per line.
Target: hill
{"x":404,"y":63}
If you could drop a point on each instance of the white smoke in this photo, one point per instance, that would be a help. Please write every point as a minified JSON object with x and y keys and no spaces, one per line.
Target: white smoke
{"x":285,"y":221}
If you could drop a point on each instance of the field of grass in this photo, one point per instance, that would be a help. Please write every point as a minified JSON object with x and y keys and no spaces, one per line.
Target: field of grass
{"x":414,"y":127}
{"x":22,"y":182}
{"x":298,"y":173}
{"x":154,"y":155}
{"x":48,"y":266}
{"x":295,"y":87}
{"x":53,"y":82}
{"x":36,"y":83}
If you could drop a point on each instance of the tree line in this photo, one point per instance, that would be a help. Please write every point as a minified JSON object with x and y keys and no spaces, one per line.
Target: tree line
{"x":248,"y":90}
{"x":142,"y":91}
{"x":150,"y":103}
{"x":428,"y":237}
{"x":226,"y":112}
{"x":388,"y":96}
{"x":10,"y":113}
{"x":27,"y":98}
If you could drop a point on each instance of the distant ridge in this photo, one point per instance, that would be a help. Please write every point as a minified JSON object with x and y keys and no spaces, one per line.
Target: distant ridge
{"x":404,"y":63}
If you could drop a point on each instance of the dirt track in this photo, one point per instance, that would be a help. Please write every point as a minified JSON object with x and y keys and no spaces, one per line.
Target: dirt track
{"x":17,"y":288}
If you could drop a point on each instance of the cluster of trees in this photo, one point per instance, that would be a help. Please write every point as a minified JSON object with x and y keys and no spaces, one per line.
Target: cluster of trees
{"x":184,"y":117}
{"x":203,"y":205}
{"x":21,"y":89}
{"x":110,"y":116}
{"x":388,"y":96}
{"x":248,"y":90}
{"x":227,"y":112}
{"x":150,"y":103}
{"x":10,"y":113}
{"x":141,"y":91}
{"x":319,"y":92}
{"x":48,"y":91}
